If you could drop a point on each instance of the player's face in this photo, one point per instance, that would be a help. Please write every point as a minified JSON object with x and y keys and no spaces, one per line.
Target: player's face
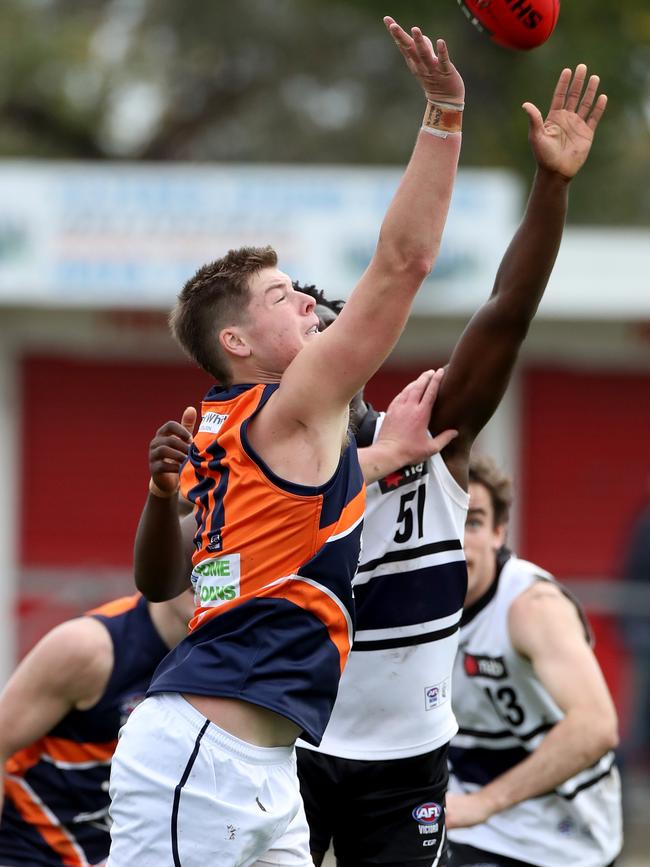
{"x":281,"y":321}
{"x":482,"y":539}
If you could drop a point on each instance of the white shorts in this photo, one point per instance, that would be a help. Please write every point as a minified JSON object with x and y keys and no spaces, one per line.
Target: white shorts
{"x":185,"y":793}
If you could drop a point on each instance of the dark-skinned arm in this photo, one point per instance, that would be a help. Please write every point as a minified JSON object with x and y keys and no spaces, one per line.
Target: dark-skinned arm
{"x":481,"y":364}
{"x":163,"y":542}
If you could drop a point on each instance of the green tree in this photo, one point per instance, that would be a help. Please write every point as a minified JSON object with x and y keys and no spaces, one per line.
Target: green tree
{"x":307,"y":81}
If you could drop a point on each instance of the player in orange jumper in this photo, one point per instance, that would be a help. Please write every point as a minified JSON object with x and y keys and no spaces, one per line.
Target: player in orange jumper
{"x":278,"y":499}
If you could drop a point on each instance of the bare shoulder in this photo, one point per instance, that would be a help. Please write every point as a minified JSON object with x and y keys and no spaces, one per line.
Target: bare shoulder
{"x":77,"y":657}
{"x":540,"y":594}
{"x":541,"y":616}
{"x":295,"y":450}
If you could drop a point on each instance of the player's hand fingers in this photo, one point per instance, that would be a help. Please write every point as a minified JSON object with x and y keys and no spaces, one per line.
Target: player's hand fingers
{"x":401,"y":38}
{"x":598,"y":111}
{"x":188,"y":419}
{"x":441,"y":441}
{"x":167,"y":454}
{"x":535,"y":119}
{"x":416,"y":390}
{"x":423,"y":47}
{"x":442,"y":54}
{"x":561,"y":88}
{"x":175,"y":441}
{"x":430,"y":393}
{"x":575,"y":89}
{"x":174,"y":428}
{"x":411,"y":393}
{"x":588,"y":97}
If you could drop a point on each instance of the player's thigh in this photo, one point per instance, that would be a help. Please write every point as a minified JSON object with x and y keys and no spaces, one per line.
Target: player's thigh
{"x":398,"y":818}
{"x":292,"y":848}
{"x":183,"y":791}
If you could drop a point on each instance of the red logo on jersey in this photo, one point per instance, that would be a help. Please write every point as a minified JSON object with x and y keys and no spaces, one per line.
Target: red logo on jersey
{"x":403,"y":477}
{"x":485,"y":666}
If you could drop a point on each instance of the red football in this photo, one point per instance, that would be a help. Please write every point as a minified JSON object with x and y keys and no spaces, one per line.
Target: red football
{"x":520,"y":24}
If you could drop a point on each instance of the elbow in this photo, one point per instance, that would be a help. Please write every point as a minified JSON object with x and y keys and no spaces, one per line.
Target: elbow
{"x":608,"y":737}
{"x":407,"y":262}
{"x":512,"y":314}
{"x":604,"y":736}
{"x":608,"y":729}
{"x":153,"y":591}
{"x":409,"y":270}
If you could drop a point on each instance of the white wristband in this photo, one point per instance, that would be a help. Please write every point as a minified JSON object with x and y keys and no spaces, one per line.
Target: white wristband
{"x":437,"y":132}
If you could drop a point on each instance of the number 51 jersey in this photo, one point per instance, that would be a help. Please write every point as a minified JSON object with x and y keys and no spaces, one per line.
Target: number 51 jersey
{"x":504,"y":714}
{"x":394,"y":699}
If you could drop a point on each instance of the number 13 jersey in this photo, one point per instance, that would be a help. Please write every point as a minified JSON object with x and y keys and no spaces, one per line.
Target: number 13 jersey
{"x":394,"y":698}
{"x":504,"y":713}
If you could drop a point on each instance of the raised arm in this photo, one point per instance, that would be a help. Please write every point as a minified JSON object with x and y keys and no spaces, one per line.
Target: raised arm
{"x":545,"y":628}
{"x":162,"y":554}
{"x":404,"y":439}
{"x":327,"y":373}
{"x":481,"y":364}
{"x":69,"y":668}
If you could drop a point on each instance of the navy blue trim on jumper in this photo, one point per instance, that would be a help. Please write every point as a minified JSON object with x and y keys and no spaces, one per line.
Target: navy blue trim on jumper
{"x":411,"y":598}
{"x":278,"y":481}
{"x":481,"y":766}
{"x":177,"y":793}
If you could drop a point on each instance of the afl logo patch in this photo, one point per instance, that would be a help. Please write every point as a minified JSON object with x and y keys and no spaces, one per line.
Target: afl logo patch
{"x":427,"y":814}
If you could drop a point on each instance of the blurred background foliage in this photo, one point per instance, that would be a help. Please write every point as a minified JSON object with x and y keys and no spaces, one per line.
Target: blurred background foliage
{"x":308,"y":81}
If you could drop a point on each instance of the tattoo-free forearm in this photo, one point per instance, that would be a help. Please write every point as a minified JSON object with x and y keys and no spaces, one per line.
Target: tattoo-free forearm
{"x":527,"y":263}
{"x":160,"y":560}
{"x":575,"y":743}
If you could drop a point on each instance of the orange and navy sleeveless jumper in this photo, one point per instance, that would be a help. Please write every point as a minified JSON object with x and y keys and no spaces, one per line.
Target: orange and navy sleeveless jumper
{"x":56,"y":790}
{"x":273,"y":568}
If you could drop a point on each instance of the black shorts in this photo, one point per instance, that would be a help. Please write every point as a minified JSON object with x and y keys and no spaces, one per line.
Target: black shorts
{"x":388,"y":813}
{"x":463,"y":855}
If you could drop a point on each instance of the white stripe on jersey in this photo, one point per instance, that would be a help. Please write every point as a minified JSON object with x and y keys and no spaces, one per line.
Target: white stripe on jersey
{"x":410,"y":565}
{"x":344,"y":533}
{"x":74,"y":766}
{"x":407,"y":631}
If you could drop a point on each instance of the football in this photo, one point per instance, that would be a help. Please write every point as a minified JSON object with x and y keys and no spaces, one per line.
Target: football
{"x":518,"y":24}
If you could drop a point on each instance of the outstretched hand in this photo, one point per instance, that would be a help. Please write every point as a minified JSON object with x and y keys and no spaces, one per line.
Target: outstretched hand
{"x":438,"y":76}
{"x":405,"y":427}
{"x":562,"y":142}
{"x":169,"y":449}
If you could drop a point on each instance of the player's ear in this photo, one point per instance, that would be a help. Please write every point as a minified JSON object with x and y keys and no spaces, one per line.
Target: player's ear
{"x":500,"y":534}
{"x":234,"y":343}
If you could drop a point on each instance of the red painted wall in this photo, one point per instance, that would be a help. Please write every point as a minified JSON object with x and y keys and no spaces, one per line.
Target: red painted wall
{"x":585,"y":465}
{"x":585,"y":471}
{"x":85,"y":431}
